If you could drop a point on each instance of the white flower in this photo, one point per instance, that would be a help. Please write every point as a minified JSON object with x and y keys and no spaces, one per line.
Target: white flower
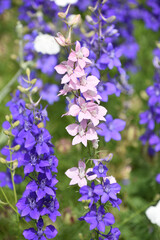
{"x":64,"y":3}
{"x":153,"y":214}
{"x":46,"y":44}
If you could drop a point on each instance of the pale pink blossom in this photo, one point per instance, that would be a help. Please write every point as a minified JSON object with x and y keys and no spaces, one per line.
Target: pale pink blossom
{"x":65,"y":90}
{"x":88,"y":83}
{"x":72,"y":74}
{"x":91,"y":95}
{"x":82,"y":132}
{"x":80,"y":56}
{"x":61,"y":40}
{"x":87,"y":110}
{"x":79,"y":175}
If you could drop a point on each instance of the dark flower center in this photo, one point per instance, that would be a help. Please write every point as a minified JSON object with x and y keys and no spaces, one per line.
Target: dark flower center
{"x":33,"y":159}
{"x":107,"y":188}
{"x":101,"y":169}
{"x":99,"y":217}
{"x":90,"y":192}
{"x":52,"y":206}
{"x":43,"y":183}
{"x":32,"y":203}
{"x":40,"y":232}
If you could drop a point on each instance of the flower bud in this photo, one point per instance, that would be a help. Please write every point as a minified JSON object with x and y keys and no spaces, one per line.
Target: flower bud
{"x":15,"y":165}
{"x":40,"y":125}
{"x":63,"y":15}
{"x":23,"y":90}
{"x":74,"y":20}
{"x":7,"y":118}
{"x":109,"y":19}
{"x":104,"y":1}
{"x":15,"y":124}
{"x":28,"y":72}
{"x":34,"y":90}
{"x":8,"y":133}
{"x":16,"y":148}
{"x":3,"y":160}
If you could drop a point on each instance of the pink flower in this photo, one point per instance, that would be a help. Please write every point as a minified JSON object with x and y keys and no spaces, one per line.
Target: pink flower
{"x":61,"y":40}
{"x":88,"y":83}
{"x":82,"y":132}
{"x":79,"y":175}
{"x":65,"y":90}
{"x":91,"y":95}
{"x":72,"y":74}
{"x":87,"y":110}
{"x":80,"y":56}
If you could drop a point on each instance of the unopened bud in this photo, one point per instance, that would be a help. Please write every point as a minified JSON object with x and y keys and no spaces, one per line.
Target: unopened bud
{"x":109,"y":19}
{"x":8,"y":133}
{"x":16,"y":148}
{"x":3,"y":160}
{"x":34,"y":90}
{"x":93,"y":9}
{"x":15,"y":124}
{"x":15,"y":165}
{"x":23,"y":90}
{"x":95,"y":143}
{"x":90,"y":20}
{"x":158,"y":44}
{"x":7,"y":118}
{"x":104,"y":1}
{"x":63,"y":15}
{"x":74,"y":20}
{"x":28,"y":72}
{"x":40,"y":125}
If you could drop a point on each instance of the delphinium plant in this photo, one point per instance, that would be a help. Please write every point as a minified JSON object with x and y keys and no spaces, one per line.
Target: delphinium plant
{"x":30,"y":148}
{"x":84,"y":104}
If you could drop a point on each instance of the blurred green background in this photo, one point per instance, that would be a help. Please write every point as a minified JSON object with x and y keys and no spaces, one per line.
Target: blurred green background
{"x":134,"y":170}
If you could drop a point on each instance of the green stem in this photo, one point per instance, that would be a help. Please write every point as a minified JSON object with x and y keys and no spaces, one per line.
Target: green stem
{"x":15,"y":210}
{"x":135,"y":214}
{"x":12,"y":177}
{"x":8,"y":200}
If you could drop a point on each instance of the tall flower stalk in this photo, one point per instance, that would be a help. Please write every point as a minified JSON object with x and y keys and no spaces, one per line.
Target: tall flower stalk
{"x":32,"y":149}
{"x":85,"y":107}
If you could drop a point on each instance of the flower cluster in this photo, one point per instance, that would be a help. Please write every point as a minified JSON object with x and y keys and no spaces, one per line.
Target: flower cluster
{"x":36,"y":156}
{"x":101,"y":195}
{"x":151,"y":117}
{"x":108,"y":44}
{"x":85,"y":106}
{"x":150,"y":14}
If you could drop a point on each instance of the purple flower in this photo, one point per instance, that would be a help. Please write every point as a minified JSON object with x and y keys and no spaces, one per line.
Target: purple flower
{"x":46,"y":64}
{"x":51,"y":208}
{"x":154,"y":94}
{"x":88,"y":193}
{"x":110,"y":59}
{"x":155,"y":140}
{"x":105,"y":89}
{"x":112,"y":235}
{"x":29,"y":206}
{"x":100,"y":170}
{"x":111,"y":128}
{"x":158,"y":178}
{"x":40,"y":234}
{"x":107,"y":191}
{"x":49,"y":93}
{"x":4,"y":5}
{"x":98,"y":218}
{"x":5,"y":179}
{"x":147,"y":117}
